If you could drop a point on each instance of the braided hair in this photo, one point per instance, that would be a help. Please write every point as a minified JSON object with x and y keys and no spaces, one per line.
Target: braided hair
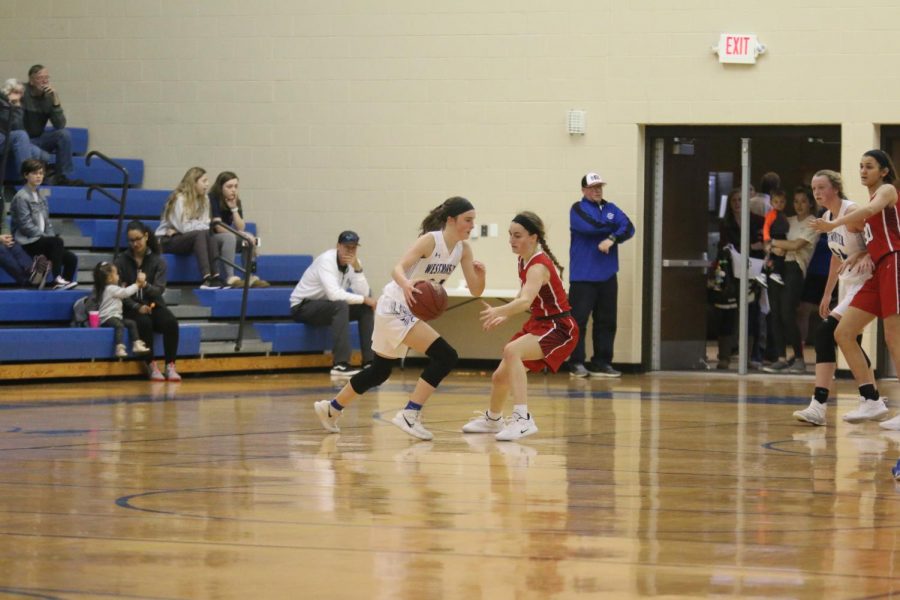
{"x":451,"y":207}
{"x":535,"y":226}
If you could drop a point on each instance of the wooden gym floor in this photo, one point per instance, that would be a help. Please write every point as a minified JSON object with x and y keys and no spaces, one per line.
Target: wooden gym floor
{"x":668,"y":486}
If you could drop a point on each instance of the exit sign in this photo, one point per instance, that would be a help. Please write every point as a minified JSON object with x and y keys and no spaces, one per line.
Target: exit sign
{"x":740,"y":48}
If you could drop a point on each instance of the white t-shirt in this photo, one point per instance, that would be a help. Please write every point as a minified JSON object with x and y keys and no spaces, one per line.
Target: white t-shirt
{"x":802,"y":230}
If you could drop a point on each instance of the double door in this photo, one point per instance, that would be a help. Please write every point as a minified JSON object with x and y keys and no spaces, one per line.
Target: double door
{"x":690,"y":172}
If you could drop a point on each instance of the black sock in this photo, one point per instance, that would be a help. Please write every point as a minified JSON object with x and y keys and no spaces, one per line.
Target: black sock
{"x":868,"y":391}
{"x":821,"y":395}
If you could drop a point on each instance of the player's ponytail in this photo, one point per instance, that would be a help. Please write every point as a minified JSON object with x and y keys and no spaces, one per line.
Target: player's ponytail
{"x":451,"y":207}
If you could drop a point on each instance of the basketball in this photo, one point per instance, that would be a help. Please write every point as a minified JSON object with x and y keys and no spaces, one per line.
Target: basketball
{"x":431,"y":303}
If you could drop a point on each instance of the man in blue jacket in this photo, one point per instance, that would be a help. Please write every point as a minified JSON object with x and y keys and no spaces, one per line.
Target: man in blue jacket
{"x":598,"y":227}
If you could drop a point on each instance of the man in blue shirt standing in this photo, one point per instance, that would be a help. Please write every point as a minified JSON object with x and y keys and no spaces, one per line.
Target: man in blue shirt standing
{"x":598,"y":227}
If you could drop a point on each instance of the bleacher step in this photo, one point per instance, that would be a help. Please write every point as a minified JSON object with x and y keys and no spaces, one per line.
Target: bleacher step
{"x":247,"y":347}
{"x":211,"y":332}
{"x":191,"y":311}
{"x":88,"y":260}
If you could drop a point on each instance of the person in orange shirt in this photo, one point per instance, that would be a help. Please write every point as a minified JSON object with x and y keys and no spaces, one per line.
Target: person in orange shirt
{"x":775,"y":228}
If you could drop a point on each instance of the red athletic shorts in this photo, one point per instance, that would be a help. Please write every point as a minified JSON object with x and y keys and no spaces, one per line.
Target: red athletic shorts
{"x":557,"y":339}
{"x":880,"y":294}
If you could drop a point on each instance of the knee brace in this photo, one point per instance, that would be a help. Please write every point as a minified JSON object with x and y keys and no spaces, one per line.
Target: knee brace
{"x":825,"y":344}
{"x":372,"y":376}
{"x":443,"y":359}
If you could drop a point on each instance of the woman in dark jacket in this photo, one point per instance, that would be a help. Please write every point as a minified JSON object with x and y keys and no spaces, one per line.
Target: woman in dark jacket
{"x":148,"y":308}
{"x":725,"y":313}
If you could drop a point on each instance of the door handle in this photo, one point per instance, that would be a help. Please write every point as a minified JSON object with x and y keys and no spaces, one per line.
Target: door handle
{"x":701,"y":263}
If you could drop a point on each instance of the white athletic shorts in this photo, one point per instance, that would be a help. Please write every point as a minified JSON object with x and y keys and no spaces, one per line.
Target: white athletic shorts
{"x":393,"y":320}
{"x":849,"y":292}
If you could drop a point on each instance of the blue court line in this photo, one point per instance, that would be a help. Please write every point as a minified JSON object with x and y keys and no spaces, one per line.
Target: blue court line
{"x":451,"y":390}
{"x":43,"y":593}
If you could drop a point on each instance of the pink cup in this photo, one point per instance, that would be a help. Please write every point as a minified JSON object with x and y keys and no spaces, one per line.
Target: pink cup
{"x":94,"y":318}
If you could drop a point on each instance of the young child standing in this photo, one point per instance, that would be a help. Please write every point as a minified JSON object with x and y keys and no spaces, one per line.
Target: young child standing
{"x":775,"y":228}
{"x":109,"y":294}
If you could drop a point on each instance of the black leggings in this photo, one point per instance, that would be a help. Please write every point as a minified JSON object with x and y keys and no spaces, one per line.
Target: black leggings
{"x":64,"y":261}
{"x":161,"y":320}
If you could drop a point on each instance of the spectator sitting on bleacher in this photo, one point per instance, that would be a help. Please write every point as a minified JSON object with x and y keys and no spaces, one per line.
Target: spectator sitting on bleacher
{"x":32,"y":228}
{"x":333,"y":291}
{"x":42,"y":104}
{"x":226,"y":207}
{"x":12,"y":120}
{"x":13,"y":259}
{"x":110,"y":295}
{"x":147,"y":308}
{"x":184,"y":226}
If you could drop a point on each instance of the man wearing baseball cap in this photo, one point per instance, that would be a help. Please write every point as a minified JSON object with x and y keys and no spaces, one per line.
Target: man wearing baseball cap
{"x":333,"y":291}
{"x":597,"y":228}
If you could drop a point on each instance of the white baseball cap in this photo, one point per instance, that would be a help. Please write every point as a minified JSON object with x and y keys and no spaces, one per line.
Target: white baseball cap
{"x":592,"y":179}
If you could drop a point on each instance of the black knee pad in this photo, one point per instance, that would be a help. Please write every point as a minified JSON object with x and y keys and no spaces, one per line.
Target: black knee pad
{"x":372,"y":376}
{"x":443,"y":359}
{"x":825,"y":344}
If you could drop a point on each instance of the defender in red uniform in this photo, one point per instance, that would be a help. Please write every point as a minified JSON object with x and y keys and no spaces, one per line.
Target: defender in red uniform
{"x":880,"y":295}
{"x":546,"y":340}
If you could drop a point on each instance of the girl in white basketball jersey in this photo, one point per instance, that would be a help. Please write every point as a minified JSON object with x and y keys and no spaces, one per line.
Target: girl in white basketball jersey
{"x":434,"y":256}
{"x":851,"y":265}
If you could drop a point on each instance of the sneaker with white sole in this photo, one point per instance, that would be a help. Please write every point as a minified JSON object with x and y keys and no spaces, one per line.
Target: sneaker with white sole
{"x":814,"y":413}
{"x":604,"y":370}
{"x":328,"y":415}
{"x":139,"y":347}
{"x":483,"y":424}
{"x":578,"y":370}
{"x":868,"y":410}
{"x":517,"y":426}
{"x":121,"y":352}
{"x":892,"y":424}
{"x":344,"y":370}
{"x":798,"y":366}
{"x":154,"y":373}
{"x":779,"y":366}
{"x":171,"y":373}
{"x":62,"y":284}
{"x":410,"y":421}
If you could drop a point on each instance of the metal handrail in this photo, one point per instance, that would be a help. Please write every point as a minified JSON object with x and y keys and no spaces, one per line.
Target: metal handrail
{"x":5,"y":124}
{"x":248,"y":268}
{"x":122,"y":200}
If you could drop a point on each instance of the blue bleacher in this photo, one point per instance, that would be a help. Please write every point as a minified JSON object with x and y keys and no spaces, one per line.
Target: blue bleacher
{"x":37,"y":306}
{"x":79,"y":139}
{"x":264,"y":302}
{"x":103,"y":231}
{"x":102,"y":173}
{"x":80,"y":343}
{"x":299,"y":337}
{"x":35,"y":322}
{"x":72,"y":201}
{"x":280,"y":268}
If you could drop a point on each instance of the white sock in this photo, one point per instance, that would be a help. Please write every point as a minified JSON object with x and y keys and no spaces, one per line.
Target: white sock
{"x":494,"y":416}
{"x":522,"y":409}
